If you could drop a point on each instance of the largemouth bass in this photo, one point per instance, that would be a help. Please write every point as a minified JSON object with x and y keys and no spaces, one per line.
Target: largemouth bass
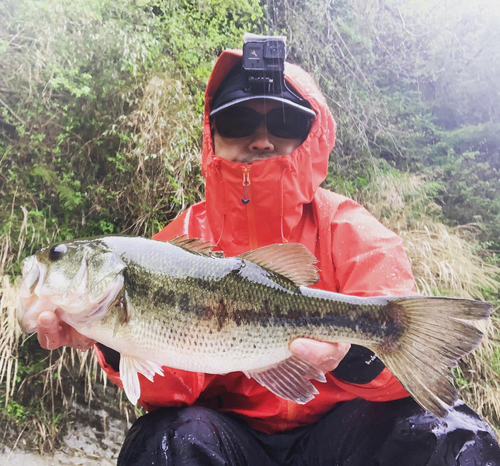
{"x":178,"y":304}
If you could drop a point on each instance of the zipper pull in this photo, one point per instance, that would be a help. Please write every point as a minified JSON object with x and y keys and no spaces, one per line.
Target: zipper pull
{"x":246,"y":182}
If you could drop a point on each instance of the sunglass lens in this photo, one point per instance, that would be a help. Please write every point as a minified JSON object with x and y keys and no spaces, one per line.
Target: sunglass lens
{"x":240,"y":122}
{"x":288,"y":123}
{"x":237,"y":122}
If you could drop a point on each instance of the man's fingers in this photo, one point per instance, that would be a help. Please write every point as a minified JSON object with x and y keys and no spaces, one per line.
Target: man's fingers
{"x":48,"y":320}
{"x":79,"y":341}
{"x":325,"y":356}
{"x":49,"y":331}
{"x":53,"y":333}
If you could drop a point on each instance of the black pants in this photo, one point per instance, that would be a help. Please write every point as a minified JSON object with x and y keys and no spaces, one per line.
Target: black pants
{"x":356,"y":433}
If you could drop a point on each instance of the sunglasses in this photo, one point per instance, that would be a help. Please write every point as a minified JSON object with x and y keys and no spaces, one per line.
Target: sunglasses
{"x":241,"y":122}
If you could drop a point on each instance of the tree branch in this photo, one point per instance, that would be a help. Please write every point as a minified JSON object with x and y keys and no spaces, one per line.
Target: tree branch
{"x":18,"y":118}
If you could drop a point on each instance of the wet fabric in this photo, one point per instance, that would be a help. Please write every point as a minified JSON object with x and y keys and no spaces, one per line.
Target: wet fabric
{"x":234,"y":420}
{"x":356,"y":255}
{"x":355,"y":433}
{"x":368,"y":260}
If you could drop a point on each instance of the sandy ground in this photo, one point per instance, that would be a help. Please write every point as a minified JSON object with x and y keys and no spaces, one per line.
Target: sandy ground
{"x":59,"y":459}
{"x":83,"y":445}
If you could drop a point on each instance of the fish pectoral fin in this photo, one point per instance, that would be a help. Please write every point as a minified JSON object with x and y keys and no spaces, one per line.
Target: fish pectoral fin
{"x":290,"y":379}
{"x":122,"y":309}
{"x":130,"y":368}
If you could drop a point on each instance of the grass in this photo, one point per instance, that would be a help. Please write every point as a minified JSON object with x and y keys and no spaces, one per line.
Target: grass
{"x":38,"y":388}
{"x":162,"y":140}
{"x":450,"y":262}
{"x":9,"y":331}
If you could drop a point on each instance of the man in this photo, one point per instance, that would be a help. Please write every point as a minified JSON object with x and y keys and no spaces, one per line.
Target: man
{"x":264,"y":157}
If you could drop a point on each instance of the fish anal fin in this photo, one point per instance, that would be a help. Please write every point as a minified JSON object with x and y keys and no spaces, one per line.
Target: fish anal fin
{"x":289,"y":379}
{"x":291,"y":260}
{"x":130,"y":368}
{"x":194,"y":245}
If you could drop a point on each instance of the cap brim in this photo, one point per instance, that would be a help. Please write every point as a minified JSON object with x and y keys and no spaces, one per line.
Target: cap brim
{"x":287,"y":102}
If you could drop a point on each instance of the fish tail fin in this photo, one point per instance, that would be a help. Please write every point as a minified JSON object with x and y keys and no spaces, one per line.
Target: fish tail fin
{"x":437,"y":333}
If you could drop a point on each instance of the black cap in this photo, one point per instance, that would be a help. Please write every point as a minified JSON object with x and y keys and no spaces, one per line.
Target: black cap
{"x":235,"y":89}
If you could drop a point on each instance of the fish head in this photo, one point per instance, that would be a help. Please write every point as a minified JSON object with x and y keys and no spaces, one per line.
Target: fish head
{"x":77,"y":280}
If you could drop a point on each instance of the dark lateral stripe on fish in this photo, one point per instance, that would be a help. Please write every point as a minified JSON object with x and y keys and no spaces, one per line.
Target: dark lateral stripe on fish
{"x":382,"y":325}
{"x":379,"y":325}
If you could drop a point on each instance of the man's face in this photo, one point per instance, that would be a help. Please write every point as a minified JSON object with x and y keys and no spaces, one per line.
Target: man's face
{"x":260,"y":144}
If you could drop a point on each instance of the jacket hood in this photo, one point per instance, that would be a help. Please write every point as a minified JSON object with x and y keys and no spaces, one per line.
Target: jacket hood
{"x":279,"y":186}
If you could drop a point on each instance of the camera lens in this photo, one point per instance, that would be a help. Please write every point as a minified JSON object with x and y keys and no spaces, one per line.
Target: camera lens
{"x":274,"y":49}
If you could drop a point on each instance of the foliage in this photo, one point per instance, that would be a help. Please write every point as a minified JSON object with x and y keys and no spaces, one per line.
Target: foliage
{"x":469,"y":162}
{"x":100,"y":131}
{"x":414,"y":83}
{"x":100,"y":110}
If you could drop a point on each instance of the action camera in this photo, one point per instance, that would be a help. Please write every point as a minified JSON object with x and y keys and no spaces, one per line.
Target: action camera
{"x":264,"y":62}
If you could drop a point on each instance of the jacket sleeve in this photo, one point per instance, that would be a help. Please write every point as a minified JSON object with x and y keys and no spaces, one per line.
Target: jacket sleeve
{"x":369,"y":260}
{"x":175,"y":388}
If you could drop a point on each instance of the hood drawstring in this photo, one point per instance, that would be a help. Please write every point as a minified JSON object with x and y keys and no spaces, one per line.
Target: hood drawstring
{"x":286,"y":163}
{"x":216,"y":168}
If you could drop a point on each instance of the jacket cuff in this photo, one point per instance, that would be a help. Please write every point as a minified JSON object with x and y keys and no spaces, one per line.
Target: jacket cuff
{"x":111,"y":357}
{"x":359,"y":366}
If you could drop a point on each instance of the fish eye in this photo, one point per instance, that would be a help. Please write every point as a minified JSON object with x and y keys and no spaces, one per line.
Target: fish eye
{"x":56,"y":252}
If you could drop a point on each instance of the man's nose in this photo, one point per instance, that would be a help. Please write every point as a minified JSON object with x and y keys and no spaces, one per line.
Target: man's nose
{"x":260,"y":141}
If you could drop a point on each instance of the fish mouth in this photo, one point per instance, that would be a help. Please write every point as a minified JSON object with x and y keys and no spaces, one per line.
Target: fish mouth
{"x":29,"y":305}
{"x":32,"y":301}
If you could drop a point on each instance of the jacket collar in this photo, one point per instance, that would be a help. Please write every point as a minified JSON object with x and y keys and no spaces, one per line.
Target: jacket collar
{"x":277,"y":188}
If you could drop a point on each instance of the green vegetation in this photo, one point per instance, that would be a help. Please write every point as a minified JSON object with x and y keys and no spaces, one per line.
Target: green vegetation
{"x":101,"y":111}
{"x":414,"y":83}
{"x":100,"y":131}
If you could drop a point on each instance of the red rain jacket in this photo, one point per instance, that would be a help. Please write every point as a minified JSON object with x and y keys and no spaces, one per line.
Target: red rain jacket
{"x":357,"y":256}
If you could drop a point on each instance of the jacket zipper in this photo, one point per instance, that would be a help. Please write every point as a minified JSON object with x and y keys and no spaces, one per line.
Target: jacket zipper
{"x":246,"y":185}
{"x":246,"y":198}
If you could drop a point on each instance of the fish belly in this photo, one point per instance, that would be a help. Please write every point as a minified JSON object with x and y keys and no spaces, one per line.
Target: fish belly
{"x":194,"y":348}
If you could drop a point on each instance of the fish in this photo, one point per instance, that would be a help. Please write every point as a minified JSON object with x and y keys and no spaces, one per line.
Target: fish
{"x":180,"y":304}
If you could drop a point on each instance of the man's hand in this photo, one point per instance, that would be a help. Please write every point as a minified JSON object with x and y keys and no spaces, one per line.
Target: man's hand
{"x":325,"y":356}
{"x":53,"y":333}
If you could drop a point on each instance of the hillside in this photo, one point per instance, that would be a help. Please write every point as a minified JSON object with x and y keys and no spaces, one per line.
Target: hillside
{"x":100,"y":133}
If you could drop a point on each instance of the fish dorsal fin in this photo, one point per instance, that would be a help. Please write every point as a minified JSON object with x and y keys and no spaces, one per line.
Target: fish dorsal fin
{"x":194,"y":245}
{"x":291,"y":260}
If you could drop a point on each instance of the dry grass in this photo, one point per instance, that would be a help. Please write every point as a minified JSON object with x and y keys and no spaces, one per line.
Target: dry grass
{"x":165,"y":145}
{"x":446,"y":261}
{"x":10,"y":331}
{"x":9,"y":337}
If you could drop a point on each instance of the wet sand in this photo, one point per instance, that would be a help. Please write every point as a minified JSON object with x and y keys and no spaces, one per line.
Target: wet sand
{"x":58,"y":459}
{"x":82,"y":445}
